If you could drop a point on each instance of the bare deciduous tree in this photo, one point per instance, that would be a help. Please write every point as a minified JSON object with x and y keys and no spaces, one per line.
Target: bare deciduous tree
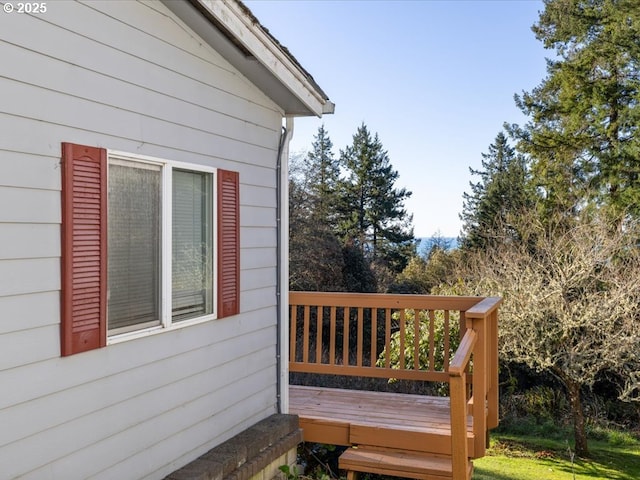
{"x":571,"y":304}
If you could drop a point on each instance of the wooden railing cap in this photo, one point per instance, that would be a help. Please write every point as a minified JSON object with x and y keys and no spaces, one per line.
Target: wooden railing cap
{"x":383,"y":300}
{"x":483,"y":308}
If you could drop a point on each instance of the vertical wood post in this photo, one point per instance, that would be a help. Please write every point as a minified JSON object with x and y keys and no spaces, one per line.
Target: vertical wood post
{"x":492,"y":394}
{"x":293,"y":333}
{"x":374,"y":336}
{"x":305,"y":334}
{"x":359,"y":344}
{"x":345,"y":336}
{"x":332,"y":336}
{"x":319,"y":322}
{"x":480,"y":386}
{"x":459,"y":447}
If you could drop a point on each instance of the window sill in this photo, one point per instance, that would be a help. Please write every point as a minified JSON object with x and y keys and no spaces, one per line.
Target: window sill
{"x":124,"y":337}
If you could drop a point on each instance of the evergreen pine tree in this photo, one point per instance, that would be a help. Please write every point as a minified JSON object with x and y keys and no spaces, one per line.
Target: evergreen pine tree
{"x":584,"y":117}
{"x":501,"y":192}
{"x":323,"y":176}
{"x":373,"y":216}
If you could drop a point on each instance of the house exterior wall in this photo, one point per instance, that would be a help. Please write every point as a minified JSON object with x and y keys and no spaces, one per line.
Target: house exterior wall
{"x":127,"y":76}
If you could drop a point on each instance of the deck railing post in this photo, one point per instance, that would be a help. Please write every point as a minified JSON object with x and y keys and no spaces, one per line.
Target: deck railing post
{"x":492,"y":394}
{"x":479,"y":387}
{"x":459,"y":447}
{"x":484,"y":321}
{"x":458,"y":405}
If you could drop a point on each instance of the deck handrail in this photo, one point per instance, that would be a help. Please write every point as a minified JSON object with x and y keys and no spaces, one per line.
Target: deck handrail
{"x":327,"y":336}
{"x":462,"y":356}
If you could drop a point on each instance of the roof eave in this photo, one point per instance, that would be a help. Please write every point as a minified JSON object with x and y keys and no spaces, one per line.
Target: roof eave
{"x":240,"y":38}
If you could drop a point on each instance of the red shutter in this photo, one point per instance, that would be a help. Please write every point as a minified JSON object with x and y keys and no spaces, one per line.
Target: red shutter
{"x":228,"y":243}
{"x":84,"y":248}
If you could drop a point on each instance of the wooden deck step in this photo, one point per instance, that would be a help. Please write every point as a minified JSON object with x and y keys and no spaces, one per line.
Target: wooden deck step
{"x":398,"y":463}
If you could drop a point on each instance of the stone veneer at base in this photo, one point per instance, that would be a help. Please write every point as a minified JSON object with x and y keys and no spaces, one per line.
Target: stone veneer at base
{"x":254,"y":454}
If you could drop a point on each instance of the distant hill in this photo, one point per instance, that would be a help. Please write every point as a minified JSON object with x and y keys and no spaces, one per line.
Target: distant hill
{"x":427,"y":242}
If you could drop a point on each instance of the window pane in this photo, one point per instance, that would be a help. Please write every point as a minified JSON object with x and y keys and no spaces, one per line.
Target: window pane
{"x":192,"y":259}
{"x":133,"y":246}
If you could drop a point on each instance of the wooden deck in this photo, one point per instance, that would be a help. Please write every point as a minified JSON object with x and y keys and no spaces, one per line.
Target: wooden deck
{"x":411,"y":337}
{"x":394,"y":420}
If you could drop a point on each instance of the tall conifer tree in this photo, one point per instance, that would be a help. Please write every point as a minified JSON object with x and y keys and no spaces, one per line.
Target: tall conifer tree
{"x":501,"y":192}
{"x":323,"y":179}
{"x":373,"y":216}
{"x":583,"y":132}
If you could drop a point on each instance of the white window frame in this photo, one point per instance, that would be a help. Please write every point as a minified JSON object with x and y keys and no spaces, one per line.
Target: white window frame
{"x":167,"y":166}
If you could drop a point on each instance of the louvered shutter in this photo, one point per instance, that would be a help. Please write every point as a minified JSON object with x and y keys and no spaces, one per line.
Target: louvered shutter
{"x":228,"y":243}
{"x":84,"y":248}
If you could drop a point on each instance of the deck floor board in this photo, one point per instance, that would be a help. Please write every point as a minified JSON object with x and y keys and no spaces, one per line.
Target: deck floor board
{"x":380,"y":411}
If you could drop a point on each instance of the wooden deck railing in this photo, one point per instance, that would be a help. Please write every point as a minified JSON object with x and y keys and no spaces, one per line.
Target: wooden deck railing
{"x":374,"y":335}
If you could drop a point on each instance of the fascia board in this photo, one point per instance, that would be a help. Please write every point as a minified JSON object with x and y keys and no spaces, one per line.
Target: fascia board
{"x":250,"y":35}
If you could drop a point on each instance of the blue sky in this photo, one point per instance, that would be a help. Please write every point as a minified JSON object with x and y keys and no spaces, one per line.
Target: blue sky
{"x":434,"y":79}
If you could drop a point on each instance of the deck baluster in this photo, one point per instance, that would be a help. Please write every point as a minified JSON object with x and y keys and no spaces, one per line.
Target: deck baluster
{"x":293,"y":333}
{"x":403,"y":325}
{"x":416,"y":338}
{"x":305,"y":334}
{"x":374,"y":336}
{"x":332,"y":336}
{"x":345,"y":336}
{"x":387,"y":338}
{"x":432,"y":340}
{"x":319,"y":321}
{"x":447,"y":346}
{"x":359,"y":354}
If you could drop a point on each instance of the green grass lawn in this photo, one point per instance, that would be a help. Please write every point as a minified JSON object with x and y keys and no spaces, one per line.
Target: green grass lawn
{"x":518,"y":457}
{"x":542,"y":453}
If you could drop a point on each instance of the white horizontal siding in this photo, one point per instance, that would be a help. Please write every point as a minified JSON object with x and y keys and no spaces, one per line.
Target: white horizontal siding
{"x":260,"y":195}
{"x":29,"y":346}
{"x":258,"y":278}
{"x":258,"y":258}
{"x":24,"y":312}
{"x":29,"y":276}
{"x":164,"y":41}
{"x":115,"y":404}
{"x":258,"y":399}
{"x":70,"y":33}
{"x":128,"y":356}
{"x":96,"y":441}
{"x":40,"y":138}
{"x":127,"y":124}
{"x":164,"y":451}
{"x":258,"y":298}
{"x":29,"y":240}
{"x":126,"y":76}
{"x":29,"y":205}
{"x":36,"y":172}
{"x":73,"y":81}
{"x":44,"y":139}
{"x":220,"y":361}
{"x":147,"y":16}
{"x":257,"y":216}
{"x":258,"y":237}
{"x":257,"y":175}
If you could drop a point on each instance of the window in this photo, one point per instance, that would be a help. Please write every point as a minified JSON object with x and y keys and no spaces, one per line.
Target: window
{"x":192,"y":245}
{"x":140,"y":251}
{"x":141,"y":262}
{"x":133,"y":246}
